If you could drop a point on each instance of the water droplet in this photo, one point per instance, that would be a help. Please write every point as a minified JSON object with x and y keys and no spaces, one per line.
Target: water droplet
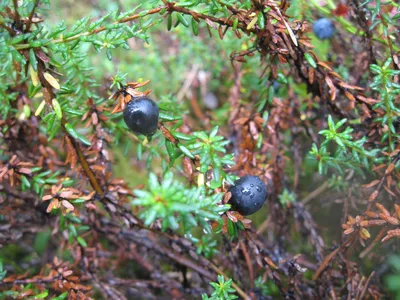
{"x":258,"y":188}
{"x":245,"y":191}
{"x":252,"y":185}
{"x":251,"y":196}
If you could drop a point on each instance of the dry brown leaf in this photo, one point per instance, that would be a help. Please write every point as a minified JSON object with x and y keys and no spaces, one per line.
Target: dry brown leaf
{"x":371,"y":184}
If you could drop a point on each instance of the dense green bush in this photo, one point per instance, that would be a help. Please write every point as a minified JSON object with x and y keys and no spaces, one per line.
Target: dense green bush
{"x":90,"y":209}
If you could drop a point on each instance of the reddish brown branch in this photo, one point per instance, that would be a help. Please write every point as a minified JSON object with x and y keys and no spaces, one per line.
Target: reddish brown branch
{"x":49,"y":95}
{"x":29,"y":23}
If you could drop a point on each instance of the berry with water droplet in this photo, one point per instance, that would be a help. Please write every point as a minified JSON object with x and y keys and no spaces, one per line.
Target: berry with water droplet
{"x":248,"y":195}
{"x":141,"y":116}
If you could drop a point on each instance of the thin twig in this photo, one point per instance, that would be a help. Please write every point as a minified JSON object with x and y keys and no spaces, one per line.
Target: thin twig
{"x":376,"y":240}
{"x":95,"y":31}
{"x":248,"y":262}
{"x":188,"y":82}
{"x":17,"y":17}
{"x":366,"y":285}
{"x":29,"y":24}
{"x":315,"y":193}
{"x":10,"y":30}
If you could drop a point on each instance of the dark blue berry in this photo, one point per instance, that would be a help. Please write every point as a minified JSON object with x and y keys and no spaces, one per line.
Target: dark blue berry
{"x":141,"y":116}
{"x":324,"y":28}
{"x":248,"y":195}
{"x":276,"y":86}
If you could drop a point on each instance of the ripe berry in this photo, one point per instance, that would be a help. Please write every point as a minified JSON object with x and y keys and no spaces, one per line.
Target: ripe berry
{"x":141,"y":116}
{"x":248,"y":194}
{"x":324,"y":28}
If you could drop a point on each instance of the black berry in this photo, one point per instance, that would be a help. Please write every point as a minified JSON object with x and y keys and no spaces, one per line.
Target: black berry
{"x":324,"y":28}
{"x":141,"y":116}
{"x":248,"y":195}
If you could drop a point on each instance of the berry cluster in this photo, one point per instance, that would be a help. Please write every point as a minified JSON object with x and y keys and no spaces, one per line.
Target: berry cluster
{"x":249,"y":193}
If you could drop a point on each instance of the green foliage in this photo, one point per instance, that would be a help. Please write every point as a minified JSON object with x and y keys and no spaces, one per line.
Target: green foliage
{"x":41,"y":241}
{"x":206,"y":245}
{"x":173,"y":204}
{"x":338,"y":183}
{"x":61,"y":296}
{"x":119,"y":80}
{"x":354,"y":154}
{"x":383,"y":83}
{"x":39,"y":180}
{"x":393,"y":280}
{"x":287,"y":197}
{"x":209,"y":148}
{"x":234,"y":229}
{"x":74,"y":228}
{"x":262,"y":286}
{"x":379,"y":17}
{"x":222,"y":290}
{"x":3,"y":272}
{"x":349,"y":153}
{"x":34,"y":293}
